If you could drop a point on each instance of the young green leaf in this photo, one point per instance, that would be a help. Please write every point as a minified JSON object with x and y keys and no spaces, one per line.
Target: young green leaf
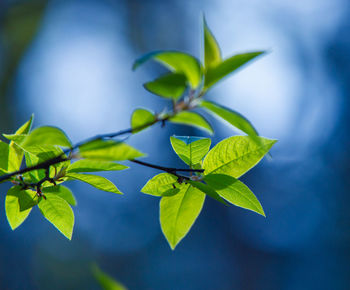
{"x":4,"y":156}
{"x":179,"y":212}
{"x":229,"y":65}
{"x":39,"y":154}
{"x":109,"y":151}
{"x":96,"y":181}
{"x":234,"y":191}
{"x":62,"y":192}
{"x":233,"y":117}
{"x":87,"y":165}
{"x":15,"y":152}
{"x":207,"y":190}
{"x":58,"y":212}
{"x":235,"y":155}
{"x":161,"y":184}
{"x":18,"y":205}
{"x":178,"y":62}
{"x":192,"y":119}
{"x":106,"y":282}
{"x":171,"y":85}
{"x":141,"y":119}
{"x":47,"y":135}
{"x":212,"y":53}
{"x":191,"y":150}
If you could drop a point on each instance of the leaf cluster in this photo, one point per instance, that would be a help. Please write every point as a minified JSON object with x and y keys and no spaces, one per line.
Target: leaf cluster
{"x":39,"y":161}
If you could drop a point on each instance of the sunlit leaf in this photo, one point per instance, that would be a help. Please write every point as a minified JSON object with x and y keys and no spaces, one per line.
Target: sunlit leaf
{"x":192,"y":119}
{"x":207,"y":190}
{"x":96,"y":181}
{"x":105,"y":281}
{"x":62,"y":192}
{"x":236,"y":155}
{"x":234,"y":191}
{"x":229,"y":65}
{"x":171,"y":85}
{"x":141,"y":119}
{"x":15,"y":152}
{"x":47,"y":135}
{"x":233,"y":117}
{"x":212,"y":53}
{"x":179,"y":212}
{"x":18,"y":205}
{"x":58,"y":212}
{"x":190,"y":149}
{"x":88,"y":165}
{"x":175,"y":61}
{"x":109,"y":150}
{"x":161,"y":184}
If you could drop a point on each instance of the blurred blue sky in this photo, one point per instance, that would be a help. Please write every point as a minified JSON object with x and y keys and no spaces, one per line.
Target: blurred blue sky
{"x":76,"y":75}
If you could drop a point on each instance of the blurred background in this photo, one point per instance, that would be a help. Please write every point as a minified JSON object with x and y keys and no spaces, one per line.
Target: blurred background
{"x":69,"y":63}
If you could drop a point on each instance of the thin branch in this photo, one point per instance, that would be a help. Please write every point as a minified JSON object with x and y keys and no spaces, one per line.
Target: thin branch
{"x":166,"y":169}
{"x":61,"y":158}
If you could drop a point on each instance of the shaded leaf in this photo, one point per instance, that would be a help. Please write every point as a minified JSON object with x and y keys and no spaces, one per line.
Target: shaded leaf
{"x":212,"y":53}
{"x":229,"y":65}
{"x":106,"y":282}
{"x":234,"y":191}
{"x":235,"y":155}
{"x":87,"y":165}
{"x":192,"y":119}
{"x":161,"y":184}
{"x":207,"y":190}
{"x":171,"y":85}
{"x":190,"y":149}
{"x":18,"y":205}
{"x":175,"y":61}
{"x":62,"y":192}
{"x":233,"y":117}
{"x":4,"y":156}
{"x":109,"y":150}
{"x":141,"y":119}
{"x":96,"y":181}
{"x":179,"y":212}
{"x":58,"y":212}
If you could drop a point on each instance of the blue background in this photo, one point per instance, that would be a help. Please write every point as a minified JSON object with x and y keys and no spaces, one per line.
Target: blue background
{"x":76,"y":74}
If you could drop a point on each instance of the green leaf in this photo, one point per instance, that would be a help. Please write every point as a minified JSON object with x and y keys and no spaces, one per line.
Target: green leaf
{"x":106,"y":282}
{"x":171,"y":85}
{"x":192,"y":119}
{"x":190,"y":149}
{"x":47,"y":135}
{"x":216,"y":73}
{"x":87,"y":165}
{"x":234,"y":191}
{"x":141,"y":119}
{"x":4,"y":156}
{"x":179,"y":212}
{"x":58,"y":212}
{"x":207,"y":190}
{"x":15,"y":152}
{"x":38,"y":154}
{"x":18,"y":205}
{"x":161,"y":184}
{"x":212,"y":53}
{"x":177,"y":62}
{"x":62,"y":192}
{"x":235,"y":155}
{"x":96,"y":181}
{"x":233,"y":117}
{"x":109,"y":150}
